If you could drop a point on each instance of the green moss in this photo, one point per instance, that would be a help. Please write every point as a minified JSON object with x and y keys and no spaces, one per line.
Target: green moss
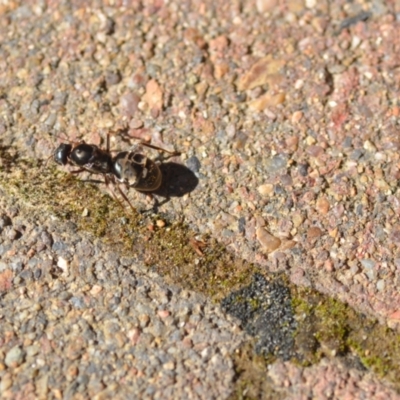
{"x":327,"y":327}
{"x":378,"y":348}
{"x":170,"y":250}
{"x":255,"y":304}
{"x":331,"y":317}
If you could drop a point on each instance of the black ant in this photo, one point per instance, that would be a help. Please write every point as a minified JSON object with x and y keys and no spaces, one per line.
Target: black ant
{"x":131,"y":168}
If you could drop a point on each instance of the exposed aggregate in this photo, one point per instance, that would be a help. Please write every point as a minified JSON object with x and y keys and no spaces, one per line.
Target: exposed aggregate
{"x":295,"y":138}
{"x":286,"y":112}
{"x":82,"y":321}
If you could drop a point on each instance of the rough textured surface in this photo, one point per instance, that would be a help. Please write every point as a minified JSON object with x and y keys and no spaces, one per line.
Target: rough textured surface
{"x":83,"y":321}
{"x":328,"y":380}
{"x":265,"y":311}
{"x":286,"y":112}
{"x":295,"y":138}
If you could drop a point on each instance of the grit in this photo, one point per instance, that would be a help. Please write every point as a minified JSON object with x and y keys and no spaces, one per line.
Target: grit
{"x":286,"y":115}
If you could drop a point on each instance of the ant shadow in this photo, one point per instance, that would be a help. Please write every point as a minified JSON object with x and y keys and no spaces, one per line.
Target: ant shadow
{"x":177,"y":180}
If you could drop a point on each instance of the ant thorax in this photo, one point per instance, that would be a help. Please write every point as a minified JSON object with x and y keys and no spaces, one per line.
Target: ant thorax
{"x":91,"y":158}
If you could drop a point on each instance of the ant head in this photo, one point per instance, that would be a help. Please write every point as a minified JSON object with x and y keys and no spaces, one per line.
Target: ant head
{"x":62,"y":152}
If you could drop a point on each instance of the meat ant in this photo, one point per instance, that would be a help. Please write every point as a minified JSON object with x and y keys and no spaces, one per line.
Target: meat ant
{"x":131,"y":168}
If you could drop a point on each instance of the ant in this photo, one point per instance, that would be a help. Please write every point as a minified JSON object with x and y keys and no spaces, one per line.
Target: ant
{"x":131,"y":168}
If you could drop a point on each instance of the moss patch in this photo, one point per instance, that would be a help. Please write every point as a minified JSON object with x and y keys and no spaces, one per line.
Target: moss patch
{"x":171,"y":250}
{"x":328,"y":327}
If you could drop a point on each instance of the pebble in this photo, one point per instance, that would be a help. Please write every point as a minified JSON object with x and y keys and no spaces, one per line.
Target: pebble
{"x":266,"y":5}
{"x":5,"y":383}
{"x":296,"y":117}
{"x":266,"y":101}
{"x":163,"y":313}
{"x":153,"y":96}
{"x":129,"y":105}
{"x":14,"y":357}
{"x":63,"y":264}
{"x":322,"y":205}
{"x":303,"y":169}
{"x":135,"y":123}
{"x":265,"y":70}
{"x":313,"y":233}
{"x":13,"y":234}
{"x":95,"y":290}
{"x":368,"y":263}
{"x":276,"y":163}
{"x":3,"y":266}
{"x":269,"y":243}
{"x":193,"y":164}
{"x":380,"y":285}
{"x":112,"y":77}
{"x":160,"y":223}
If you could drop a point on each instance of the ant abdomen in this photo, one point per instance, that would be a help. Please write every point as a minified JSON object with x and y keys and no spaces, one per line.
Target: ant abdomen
{"x":137,"y":171}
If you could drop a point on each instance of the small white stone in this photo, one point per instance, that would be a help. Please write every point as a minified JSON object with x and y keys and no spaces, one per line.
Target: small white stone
{"x":380,"y":285}
{"x":63,"y":264}
{"x":311,"y":3}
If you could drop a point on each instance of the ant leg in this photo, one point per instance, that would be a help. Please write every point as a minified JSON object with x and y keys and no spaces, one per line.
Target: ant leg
{"x":108,"y":143}
{"x":161,"y":157}
{"x":78,"y":171}
{"x":172,"y":153}
{"x":107,"y":181}
{"x":126,"y":199}
{"x":151,"y":146}
{"x":44,"y":165}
